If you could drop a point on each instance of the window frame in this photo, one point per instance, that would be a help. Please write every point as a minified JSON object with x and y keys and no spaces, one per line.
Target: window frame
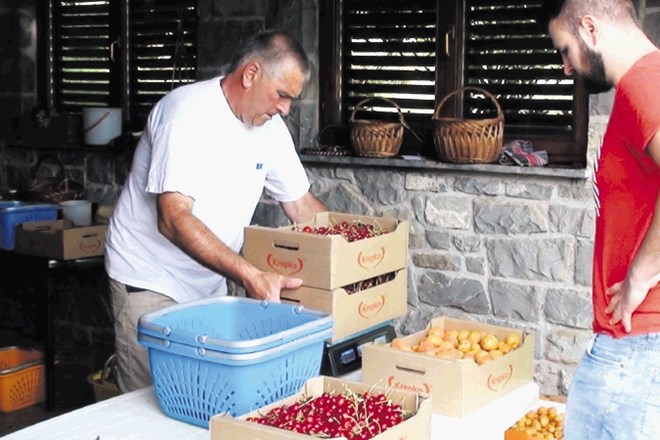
{"x":563,"y":150}
{"x":119,"y":76}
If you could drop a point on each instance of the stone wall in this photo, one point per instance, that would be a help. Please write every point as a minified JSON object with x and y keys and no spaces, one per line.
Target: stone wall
{"x":502,"y":249}
{"x":505,"y":248}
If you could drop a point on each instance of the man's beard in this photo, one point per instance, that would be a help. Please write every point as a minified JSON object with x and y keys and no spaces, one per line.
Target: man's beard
{"x":595,"y":80}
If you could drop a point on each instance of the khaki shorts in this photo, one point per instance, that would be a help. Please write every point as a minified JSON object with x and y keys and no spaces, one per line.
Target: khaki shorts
{"x":133,"y":370}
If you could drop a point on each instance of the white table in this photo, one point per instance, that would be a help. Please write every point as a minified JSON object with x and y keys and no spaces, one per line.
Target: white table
{"x":131,"y":416}
{"x":137,"y":416}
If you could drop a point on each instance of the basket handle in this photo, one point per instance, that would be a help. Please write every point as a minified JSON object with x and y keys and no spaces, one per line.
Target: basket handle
{"x":42,"y":159}
{"x":21,"y":367}
{"x":461,"y":89}
{"x":324,"y":129}
{"x":401,"y":119}
{"x":108,"y":368}
{"x":60,"y":176}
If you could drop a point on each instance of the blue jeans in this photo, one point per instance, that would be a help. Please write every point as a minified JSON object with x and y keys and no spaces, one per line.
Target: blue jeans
{"x":615,"y":393}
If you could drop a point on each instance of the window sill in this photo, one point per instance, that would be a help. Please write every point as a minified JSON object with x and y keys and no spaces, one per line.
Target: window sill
{"x":434,"y":165}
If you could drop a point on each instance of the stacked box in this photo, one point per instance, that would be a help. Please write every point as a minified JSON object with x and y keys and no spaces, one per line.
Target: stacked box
{"x":58,"y":239}
{"x":355,"y":312}
{"x":458,"y":387}
{"x":331,"y":266}
{"x":417,"y":427}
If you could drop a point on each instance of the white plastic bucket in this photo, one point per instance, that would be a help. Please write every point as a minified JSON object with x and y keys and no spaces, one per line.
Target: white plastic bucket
{"x":101,"y":124}
{"x":78,"y":211}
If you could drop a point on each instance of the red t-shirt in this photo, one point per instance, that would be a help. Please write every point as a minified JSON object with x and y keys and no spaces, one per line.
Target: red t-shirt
{"x":627,"y":184}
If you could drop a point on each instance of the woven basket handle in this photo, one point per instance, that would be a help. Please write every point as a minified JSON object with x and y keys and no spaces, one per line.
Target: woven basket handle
{"x":401,"y":119}
{"x":436,"y":114}
{"x":364,"y":101}
{"x":42,"y":159}
{"x":324,"y":129}
{"x":108,"y":368}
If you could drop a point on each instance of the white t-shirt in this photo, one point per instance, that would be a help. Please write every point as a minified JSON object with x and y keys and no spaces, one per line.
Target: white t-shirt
{"x":193,"y":144}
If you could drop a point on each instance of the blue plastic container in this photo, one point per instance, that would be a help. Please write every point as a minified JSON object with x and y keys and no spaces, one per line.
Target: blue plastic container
{"x":231,"y":354}
{"x":13,"y":212}
{"x":233,"y":324}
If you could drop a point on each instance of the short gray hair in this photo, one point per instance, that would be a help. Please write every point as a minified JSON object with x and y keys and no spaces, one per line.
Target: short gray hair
{"x":272,"y":49}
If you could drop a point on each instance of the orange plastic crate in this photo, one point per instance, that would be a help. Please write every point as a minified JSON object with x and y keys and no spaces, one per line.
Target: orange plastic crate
{"x":22,"y":378}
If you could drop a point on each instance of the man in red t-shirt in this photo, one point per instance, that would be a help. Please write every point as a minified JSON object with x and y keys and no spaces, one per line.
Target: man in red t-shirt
{"x":615,"y":392}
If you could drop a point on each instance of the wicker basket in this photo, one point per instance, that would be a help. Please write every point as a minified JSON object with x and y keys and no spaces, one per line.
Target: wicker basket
{"x":468,"y":140}
{"x":376,"y":138}
{"x":104,"y":382}
{"x":54,"y":189}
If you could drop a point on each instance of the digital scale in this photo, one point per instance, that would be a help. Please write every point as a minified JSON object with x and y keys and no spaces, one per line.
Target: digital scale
{"x":345,"y":356}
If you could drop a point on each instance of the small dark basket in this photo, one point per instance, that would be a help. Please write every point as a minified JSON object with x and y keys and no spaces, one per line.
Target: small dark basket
{"x":104,"y":382}
{"x":468,"y":140}
{"x":53,"y":189}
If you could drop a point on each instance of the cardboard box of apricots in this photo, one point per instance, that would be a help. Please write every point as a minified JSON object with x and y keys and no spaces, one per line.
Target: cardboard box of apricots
{"x":416,"y":427}
{"x":360,"y":308}
{"x":458,"y":386}
{"x":329,"y":261}
{"x":544,"y":422}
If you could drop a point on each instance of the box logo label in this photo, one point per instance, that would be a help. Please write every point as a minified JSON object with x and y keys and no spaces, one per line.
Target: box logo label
{"x":284,"y":267}
{"x":370,"y":261}
{"x":497,"y":382}
{"x":369,"y":310}
{"x":88,"y":247}
{"x":423,"y":388}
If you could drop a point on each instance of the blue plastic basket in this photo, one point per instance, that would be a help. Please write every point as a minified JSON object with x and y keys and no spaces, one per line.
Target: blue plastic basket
{"x":233,"y":324}
{"x":255,"y":356}
{"x":14,"y":212}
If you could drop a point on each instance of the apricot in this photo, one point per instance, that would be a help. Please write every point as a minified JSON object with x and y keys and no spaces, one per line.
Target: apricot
{"x":434,"y":339}
{"x":436,"y":331}
{"x":513,"y":340}
{"x":453,"y":340}
{"x":463,"y":334}
{"x":504,"y":347}
{"x":464,"y":345}
{"x":425,"y":345}
{"x":474,"y":336}
{"x":489,"y":342}
{"x":483,"y":359}
{"x":495,"y":354}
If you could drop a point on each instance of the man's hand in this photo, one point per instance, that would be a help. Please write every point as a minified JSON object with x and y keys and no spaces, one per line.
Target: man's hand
{"x":268,"y":285}
{"x":624,"y":300}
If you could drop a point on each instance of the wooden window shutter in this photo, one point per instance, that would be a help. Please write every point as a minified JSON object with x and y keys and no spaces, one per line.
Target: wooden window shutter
{"x":162,"y":51}
{"x":507,"y":54}
{"x":81,"y":54}
{"x":389,"y":51}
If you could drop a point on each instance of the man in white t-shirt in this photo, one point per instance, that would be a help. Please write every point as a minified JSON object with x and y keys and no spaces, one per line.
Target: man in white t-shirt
{"x":208,"y":152}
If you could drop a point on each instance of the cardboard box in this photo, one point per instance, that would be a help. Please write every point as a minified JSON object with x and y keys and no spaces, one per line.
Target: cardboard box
{"x":358,"y":311}
{"x":514,"y":434}
{"x":328,"y":261}
{"x":457,"y":387}
{"x":59,"y":240}
{"x":417,"y":427}
{"x":491,"y":420}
